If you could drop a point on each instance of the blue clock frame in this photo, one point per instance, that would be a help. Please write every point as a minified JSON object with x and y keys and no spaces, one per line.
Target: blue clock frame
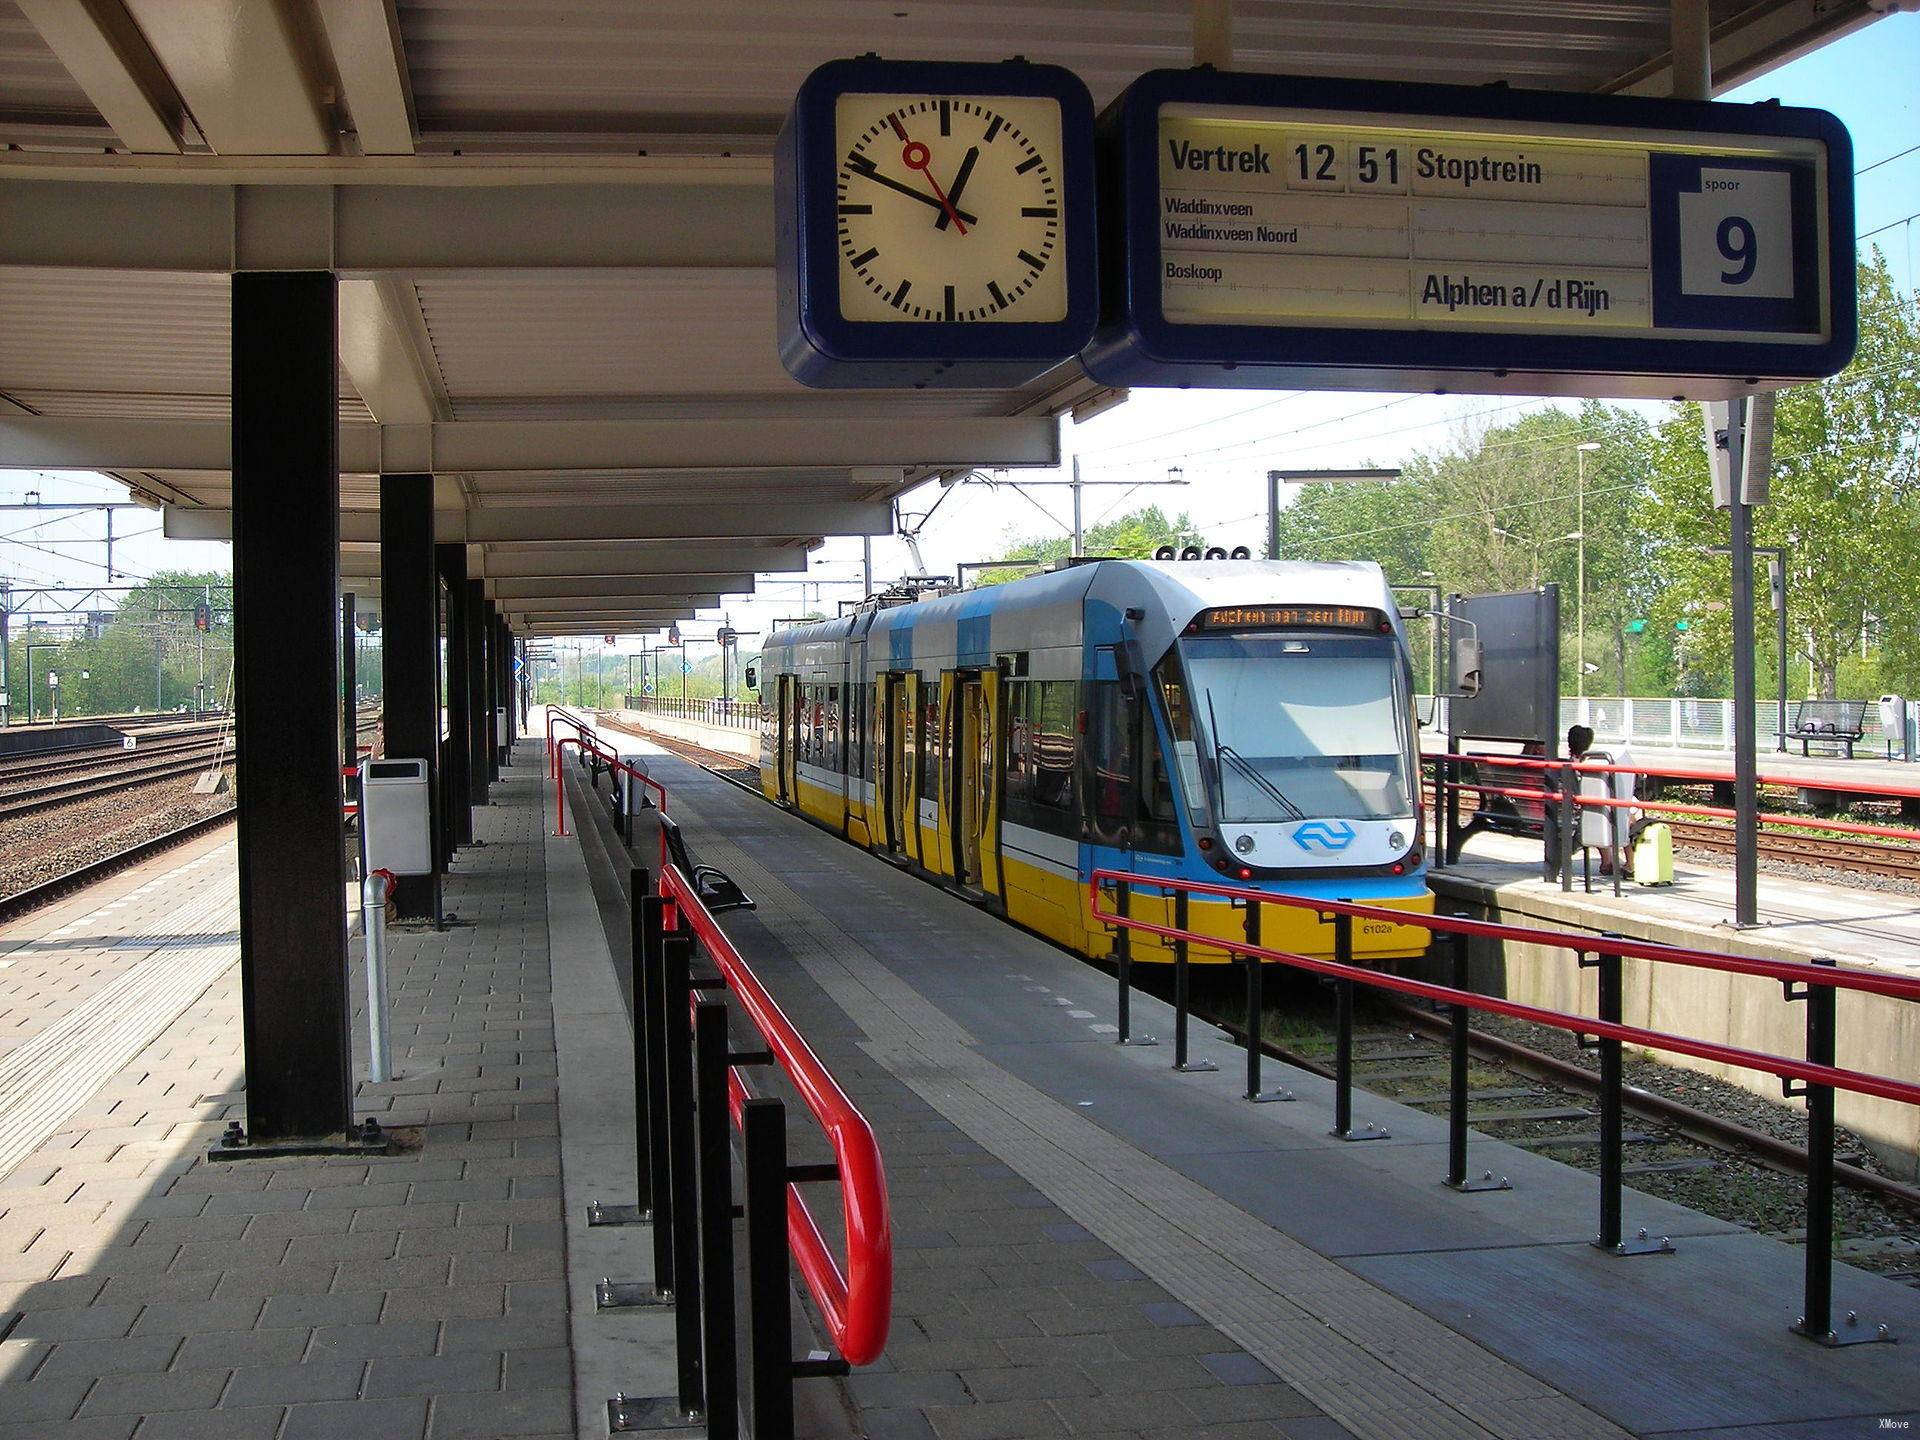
{"x":1136,"y":344}
{"x":817,"y":345}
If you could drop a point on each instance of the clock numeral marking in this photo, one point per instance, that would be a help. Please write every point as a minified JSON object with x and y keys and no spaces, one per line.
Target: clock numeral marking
{"x":949,"y":303}
{"x":993,"y":129}
{"x":898,"y":128}
{"x":864,"y":256}
{"x":1030,"y":212}
{"x":1033,"y":261}
{"x":859,"y":162}
{"x":993,"y":289}
{"x":856,"y":209}
{"x":900,"y":295}
{"x":946,"y":123}
{"x":1025,"y":165}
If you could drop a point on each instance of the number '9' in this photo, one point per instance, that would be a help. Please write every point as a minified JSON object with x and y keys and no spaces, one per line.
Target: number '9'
{"x":1736,"y":241}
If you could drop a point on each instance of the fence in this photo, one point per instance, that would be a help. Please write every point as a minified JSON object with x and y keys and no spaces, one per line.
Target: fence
{"x":691,"y":1087}
{"x":1815,"y":1077}
{"x":1676,"y":723}
{"x":732,"y":714}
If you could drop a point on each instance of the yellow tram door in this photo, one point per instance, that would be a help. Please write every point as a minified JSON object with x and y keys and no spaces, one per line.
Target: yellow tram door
{"x":792,"y":717}
{"x":987,"y":752}
{"x":971,"y":747}
{"x":906,"y":722}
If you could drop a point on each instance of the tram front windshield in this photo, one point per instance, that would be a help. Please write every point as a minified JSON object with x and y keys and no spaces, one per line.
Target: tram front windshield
{"x":1274,"y":728}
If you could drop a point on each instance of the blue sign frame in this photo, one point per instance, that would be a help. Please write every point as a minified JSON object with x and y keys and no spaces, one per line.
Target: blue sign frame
{"x":1138,"y":346}
{"x":817,"y":345}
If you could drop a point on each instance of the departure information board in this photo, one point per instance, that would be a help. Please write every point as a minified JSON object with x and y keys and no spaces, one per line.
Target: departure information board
{"x":1412,"y":236}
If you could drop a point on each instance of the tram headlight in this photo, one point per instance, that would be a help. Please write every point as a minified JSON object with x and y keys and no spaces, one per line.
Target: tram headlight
{"x":1396,"y":840}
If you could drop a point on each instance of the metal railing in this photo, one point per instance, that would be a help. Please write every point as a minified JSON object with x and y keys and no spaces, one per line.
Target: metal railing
{"x":1815,"y":1077}
{"x":1678,"y":722}
{"x":731,"y":714}
{"x":589,"y":743}
{"x":690,"y":1089}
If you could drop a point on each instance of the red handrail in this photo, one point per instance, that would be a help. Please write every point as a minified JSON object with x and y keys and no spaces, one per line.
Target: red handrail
{"x":1661,"y":772}
{"x":1899,"y":987}
{"x":592,"y":745}
{"x":857,"y":1304}
{"x":555,"y":716}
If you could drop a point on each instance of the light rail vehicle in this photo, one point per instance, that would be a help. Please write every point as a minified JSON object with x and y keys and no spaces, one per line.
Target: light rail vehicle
{"x":1241,"y":721}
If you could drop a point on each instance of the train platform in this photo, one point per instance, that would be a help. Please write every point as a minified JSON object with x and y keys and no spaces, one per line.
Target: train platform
{"x":145,"y":1291}
{"x":1825,"y":775}
{"x":1088,"y":1243}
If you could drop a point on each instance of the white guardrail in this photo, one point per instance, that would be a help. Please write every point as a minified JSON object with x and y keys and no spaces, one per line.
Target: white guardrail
{"x":1662,"y":722}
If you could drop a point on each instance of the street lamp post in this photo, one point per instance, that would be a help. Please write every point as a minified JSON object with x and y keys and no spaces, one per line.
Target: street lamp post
{"x":1580,"y":567}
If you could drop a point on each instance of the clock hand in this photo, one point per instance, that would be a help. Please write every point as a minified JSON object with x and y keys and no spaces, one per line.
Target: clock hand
{"x":917,"y":157}
{"x":907,"y":190}
{"x":960,"y":178}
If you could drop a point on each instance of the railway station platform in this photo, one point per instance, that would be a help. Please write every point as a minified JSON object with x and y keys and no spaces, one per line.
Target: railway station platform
{"x":1086,"y":1243}
{"x":1090,"y":1243}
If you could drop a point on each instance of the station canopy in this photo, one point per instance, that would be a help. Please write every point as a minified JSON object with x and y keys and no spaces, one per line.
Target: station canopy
{"x":553,"y":226}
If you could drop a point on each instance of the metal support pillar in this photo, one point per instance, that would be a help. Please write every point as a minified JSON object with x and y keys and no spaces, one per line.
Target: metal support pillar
{"x":1612,"y":1119}
{"x":1123,"y":970}
{"x":479,"y":707}
{"x":456,"y":787}
{"x":1343,"y":1041}
{"x":1180,"y":967}
{"x":410,"y":656}
{"x":490,"y":634}
{"x":1746,"y":790}
{"x":1256,"y":1012}
{"x":1459,"y":1034}
{"x":292,"y":865}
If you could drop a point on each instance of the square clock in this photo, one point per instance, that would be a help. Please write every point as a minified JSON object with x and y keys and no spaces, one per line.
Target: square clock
{"x":935,"y":224}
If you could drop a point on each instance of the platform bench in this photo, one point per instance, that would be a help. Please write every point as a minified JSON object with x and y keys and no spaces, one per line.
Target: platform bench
{"x":1837,"y":722}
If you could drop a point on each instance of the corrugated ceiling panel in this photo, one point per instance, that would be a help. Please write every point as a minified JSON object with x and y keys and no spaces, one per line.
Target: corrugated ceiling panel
{"x":574,"y":345}
{"x":34,"y":85}
{"x":137,"y":345}
{"x":519,"y":67}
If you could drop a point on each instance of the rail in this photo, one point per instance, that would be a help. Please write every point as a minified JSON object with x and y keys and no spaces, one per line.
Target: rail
{"x":1816,"y":1077}
{"x":856,"y":1302}
{"x":730,"y":714}
{"x":591,"y":744}
{"x":556,"y":717}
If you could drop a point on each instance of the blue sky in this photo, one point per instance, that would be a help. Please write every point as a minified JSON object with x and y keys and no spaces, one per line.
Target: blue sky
{"x":1871,"y":80}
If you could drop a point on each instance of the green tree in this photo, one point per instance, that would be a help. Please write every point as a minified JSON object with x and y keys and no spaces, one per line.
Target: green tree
{"x":147,"y":655}
{"x":1133,"y":536}
{"x":1845,"y":502}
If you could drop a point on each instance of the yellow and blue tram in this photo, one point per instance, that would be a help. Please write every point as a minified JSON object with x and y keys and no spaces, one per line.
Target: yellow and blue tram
{"x":1245,"y":721}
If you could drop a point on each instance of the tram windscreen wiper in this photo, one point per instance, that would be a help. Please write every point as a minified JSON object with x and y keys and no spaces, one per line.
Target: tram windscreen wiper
{"x":1248,"y":769}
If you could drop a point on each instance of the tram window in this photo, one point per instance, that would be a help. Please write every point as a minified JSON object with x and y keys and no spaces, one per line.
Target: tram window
{"x":1110,"y":731}
{"x":1052,"y":740}
{"x":1019,"y":772}
{"x":1186,"y":754}
{"x":929,"y":741}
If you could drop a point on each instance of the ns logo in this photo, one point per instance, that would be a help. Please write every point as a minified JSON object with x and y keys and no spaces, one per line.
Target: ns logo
{"x":1325,"y":837}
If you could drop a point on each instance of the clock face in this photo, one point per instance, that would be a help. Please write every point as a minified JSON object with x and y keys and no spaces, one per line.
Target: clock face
{"x":949,"y":209}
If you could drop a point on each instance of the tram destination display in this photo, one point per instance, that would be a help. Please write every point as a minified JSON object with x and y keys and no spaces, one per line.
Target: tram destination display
{"x":1263,"y":230}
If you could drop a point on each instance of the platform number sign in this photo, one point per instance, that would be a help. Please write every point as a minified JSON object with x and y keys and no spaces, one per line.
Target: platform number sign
{"x":1271,"y":231}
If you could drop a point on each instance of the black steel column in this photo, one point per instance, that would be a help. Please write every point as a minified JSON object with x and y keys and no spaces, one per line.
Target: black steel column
{"x":410,"y":651}
{"x":457,"y":784}
{"x":479,"y":716}
{"x":496,"y":730}
{"x":286,"y":564}
{"x":349,"y":683}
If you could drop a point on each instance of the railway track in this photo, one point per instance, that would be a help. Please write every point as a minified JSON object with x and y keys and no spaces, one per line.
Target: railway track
{"x":1732,"y":1161}
{"x":21,"y":769}
{"x":106,"y":778}
{"x":47,"y":891}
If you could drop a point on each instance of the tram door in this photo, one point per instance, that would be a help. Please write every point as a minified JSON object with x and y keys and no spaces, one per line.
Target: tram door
{"x":973,"y":810}
{"x":889,"y":760}
{"x":789,"y":738}
{"x":905,"y":721}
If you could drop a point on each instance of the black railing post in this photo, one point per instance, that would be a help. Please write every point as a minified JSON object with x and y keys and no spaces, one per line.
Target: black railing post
{"x":1816,"y":1323}
{"x":1613,"y":1119}
{"x":1256,"y":1010}
{"x":715,"y":1172}
{"x":1569,"y":822}
{"x":1459,"y":1036}
{"x":1123,"y":967}
{"x":763,"y":1134}
{"x":641,"y":1211}
{"x":659,"y":1160}
{"x":1343,"y":1040}
{"x":1180,"y":919}
{"x":677,"y":950}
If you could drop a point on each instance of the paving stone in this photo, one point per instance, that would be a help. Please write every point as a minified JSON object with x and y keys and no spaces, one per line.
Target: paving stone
{"x":1008,"y":1420}
{"x":1027,"y":1382}
{"x":291,"y":1384}
{"x":1216,"y":1404}
{"x":110,"y":1357}
{"x":453,"y":1240}
{"x":242,"y":1347}
{"x":1236,"y":1367}
{"x":372,"y":1342}
{"x":446,"y":1302}
{"x":546,"y":1368}
{"x":146,"y":1394}
{"x":93,"y":1322}
{"x":45,"y":1397}
{"x":397,"y":1419}
{"x":435,"y":1374}
{"x":483,"y":1417}
{"x":103,"y":1427}
{"x":922,"y":1387}
{"x":257,"y":1422}
{"x":315,"y":1310}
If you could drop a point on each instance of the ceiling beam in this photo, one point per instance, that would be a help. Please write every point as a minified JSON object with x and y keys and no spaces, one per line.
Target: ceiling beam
{"x":662,"y":520}
{"x":622,"y":585}
{"x":365,"y":37}
{"x":248,"y":73}
{"x":102,"y":49}
{"x":601,"y":604}
{"x":31,"y":442}
{"x":680,"y":560}
{"x":395,"y":215}
{"x":386,"y":353}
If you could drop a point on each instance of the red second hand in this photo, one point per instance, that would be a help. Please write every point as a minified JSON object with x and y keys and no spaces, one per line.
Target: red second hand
{"x":922,"y":164}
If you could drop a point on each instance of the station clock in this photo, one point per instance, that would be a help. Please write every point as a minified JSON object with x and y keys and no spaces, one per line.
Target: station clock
{"x":935,"y":224}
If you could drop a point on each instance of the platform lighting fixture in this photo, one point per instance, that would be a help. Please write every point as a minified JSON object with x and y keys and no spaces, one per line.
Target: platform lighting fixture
{"x":1276,"y":478}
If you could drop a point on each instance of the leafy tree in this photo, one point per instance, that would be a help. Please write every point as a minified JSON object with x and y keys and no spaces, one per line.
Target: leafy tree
{"x":1845,"y":503}
{"x":1133,"y":536}
{"x":147,"y":656}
